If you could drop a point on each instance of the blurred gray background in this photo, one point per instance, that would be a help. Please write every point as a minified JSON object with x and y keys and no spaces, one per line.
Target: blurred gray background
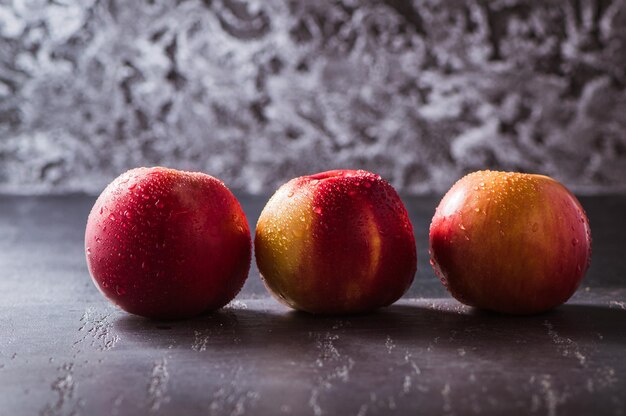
{"x":258,"y":92}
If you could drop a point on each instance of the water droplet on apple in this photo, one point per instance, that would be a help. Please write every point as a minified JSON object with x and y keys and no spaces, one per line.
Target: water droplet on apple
{"x":461,"y":226}
{"x":127,"y":214}
{"x":101,"y":210}
{"x":367,"y":184}
{"x":88,"y":251}
{"x":314,"y":182}
{"x":574,"y":241}
{"x":317,"y":210}
{"x":159,"y":204}
{"x":290,"y":194}
{"x":535,"y":227}
{"x":132,"y":186}
{"x":112,"y":217}
{"x":120,"y":290}
{"x":477,"y":209}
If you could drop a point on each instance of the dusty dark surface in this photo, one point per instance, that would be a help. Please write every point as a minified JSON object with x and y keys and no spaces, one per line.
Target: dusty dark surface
{"x":64,"y":350}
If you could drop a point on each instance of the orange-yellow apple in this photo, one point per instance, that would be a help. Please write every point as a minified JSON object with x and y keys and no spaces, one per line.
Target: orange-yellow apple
{"x":336,"y":242}
{"x":510,"y":242}
{"x":163,"y":243}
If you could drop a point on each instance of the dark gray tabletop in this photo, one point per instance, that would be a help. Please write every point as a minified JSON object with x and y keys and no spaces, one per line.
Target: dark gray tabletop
{"x":65,"y":350}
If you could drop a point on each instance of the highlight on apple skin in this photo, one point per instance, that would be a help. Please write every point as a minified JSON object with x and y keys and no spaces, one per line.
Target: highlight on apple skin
{"x":510,"y":242}
{"x":336,"y":242}
{"x":167,"y":244}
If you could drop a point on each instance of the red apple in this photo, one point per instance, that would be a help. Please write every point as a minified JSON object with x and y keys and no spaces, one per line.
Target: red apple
{"x":336,"y":242}
{"x":510,"y":242}
{"x":162,"y":243}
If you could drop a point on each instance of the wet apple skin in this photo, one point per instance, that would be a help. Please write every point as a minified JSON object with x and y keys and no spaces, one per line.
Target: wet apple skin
{"x":336,"y":242}
{"x":167,"y":244}
{"x":510,"y":242}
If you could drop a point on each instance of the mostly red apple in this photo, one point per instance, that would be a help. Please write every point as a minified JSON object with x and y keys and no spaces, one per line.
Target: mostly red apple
{"x":163,"y":243}
{"x":510,"y":242}
{"x":336,"y":242}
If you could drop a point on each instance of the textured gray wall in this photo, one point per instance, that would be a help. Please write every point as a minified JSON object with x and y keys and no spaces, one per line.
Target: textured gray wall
{"x":258,"y":92}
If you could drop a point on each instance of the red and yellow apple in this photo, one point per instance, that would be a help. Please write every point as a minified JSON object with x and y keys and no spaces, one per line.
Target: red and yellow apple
{"x":510,"y":242}
{"x":163,"y":243}
{"x":336,"y":242}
